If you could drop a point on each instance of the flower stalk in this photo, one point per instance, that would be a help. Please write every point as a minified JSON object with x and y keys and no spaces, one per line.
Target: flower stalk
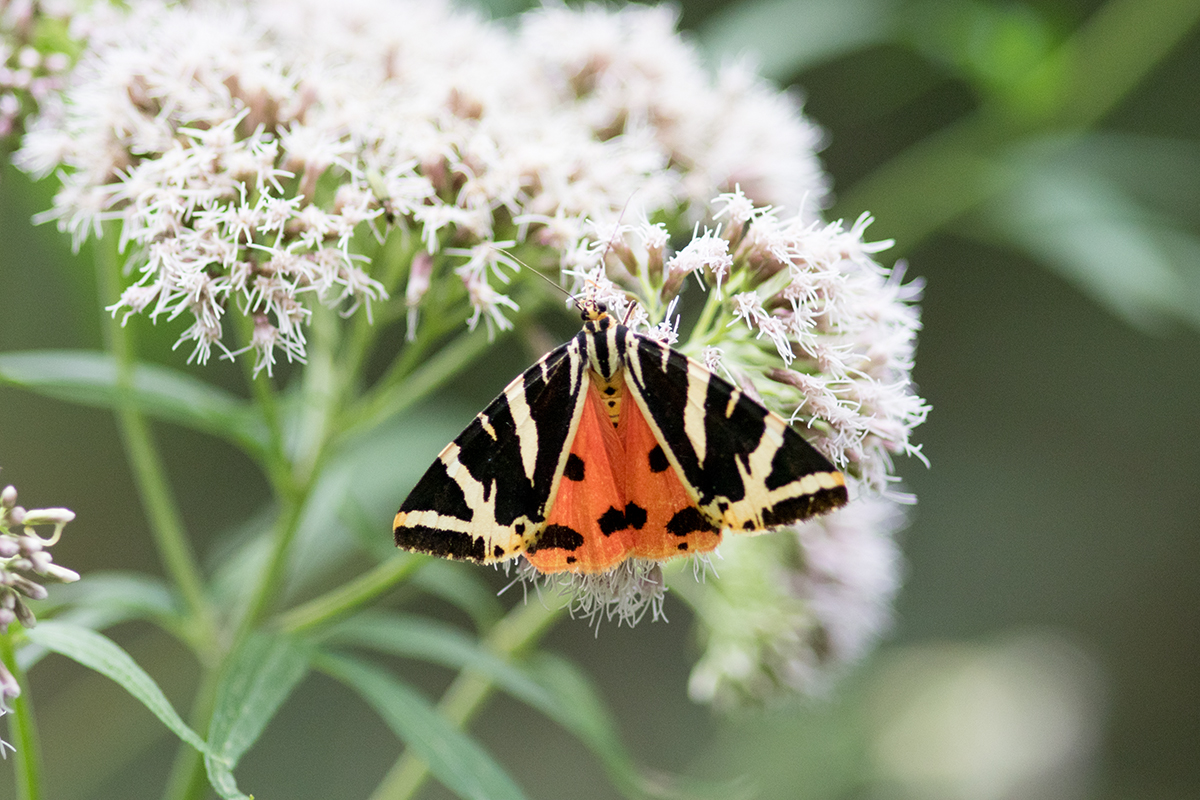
{"x":150,"y":475}
{"x":22,"y":727}
{"x":518,"y":631}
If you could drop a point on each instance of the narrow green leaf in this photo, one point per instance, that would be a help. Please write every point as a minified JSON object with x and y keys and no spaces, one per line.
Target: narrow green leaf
{"x":429,"y":640}
{"x":104,"y":600}
{"x":143,"y":593}
{"x":549,"y":684}
{"x":257,"y":680}
{"x":1094,"y":234}
{"x":90,"y":378}
{"x":578,"y":707}
{"x":454,"y":758}
{"x":370,"y":474}
{"x":96,"y":651}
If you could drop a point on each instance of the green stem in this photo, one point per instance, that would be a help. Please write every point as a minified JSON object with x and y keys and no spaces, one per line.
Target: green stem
{"x":962,"y":166}
{"x":150,"y":475}
{"x":349,"y":596}
{"x":318,"y":405}
{"x":23,"y":729}
{"x":713,"y":303}
{"x":188,"y":779}
{"x":276,"y":465}
{"x":390,"y":264}
{"x":1120,"y":44}
{"x":517,"y":631}
{"x":385,"y":402}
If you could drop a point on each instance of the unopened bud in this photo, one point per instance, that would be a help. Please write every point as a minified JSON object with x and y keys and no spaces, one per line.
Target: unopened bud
{"x":48,"y":516}
{"x":31,"y":589}
{"x":24,"y":615}
{"x":60,"y":574}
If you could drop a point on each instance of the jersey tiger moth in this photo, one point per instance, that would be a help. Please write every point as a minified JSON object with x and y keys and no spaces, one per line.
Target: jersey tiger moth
{"x":614,"y":446}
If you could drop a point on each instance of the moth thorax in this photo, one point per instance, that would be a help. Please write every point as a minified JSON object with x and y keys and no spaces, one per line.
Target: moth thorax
{"x":612,"y":393}
{"x":604,"y":342}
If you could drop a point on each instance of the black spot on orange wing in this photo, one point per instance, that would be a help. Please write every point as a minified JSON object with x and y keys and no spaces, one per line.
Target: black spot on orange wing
{"x":557,"y":536}
{"x":574,"y":470}
{"x":612,"y":521}
{"x":658,"y":460}
{"x":635,"y":516}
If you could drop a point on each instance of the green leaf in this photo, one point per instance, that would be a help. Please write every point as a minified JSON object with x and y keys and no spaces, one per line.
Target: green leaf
{"x":547,"y":683}
{"x":90,"y":378}
{"x":104,"y":600}
{"x":786,"y":37}
{"x":576,"y":705}
{"x":454,"y":758}
{"x":1095,"y":235}
{"x":370,"y":474}
{"x":429,"y":640}
{"x":96,"y":651}
{"x":257,"y":680}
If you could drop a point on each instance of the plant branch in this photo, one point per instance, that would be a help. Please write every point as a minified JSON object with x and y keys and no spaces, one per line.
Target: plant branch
{"x":23,"y":729}
{"x":150,"y":475}
{"x":384,"y":402}
{"x":517,"y":631}
{"x":960,"y":167}
{"x":188,"y":779}
{"x":349,"y":596}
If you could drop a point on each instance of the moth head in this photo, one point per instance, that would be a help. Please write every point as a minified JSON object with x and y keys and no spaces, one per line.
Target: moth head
{"x":591,"y":310}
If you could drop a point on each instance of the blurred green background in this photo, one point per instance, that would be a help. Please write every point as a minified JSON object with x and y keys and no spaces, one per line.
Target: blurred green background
{"x":1047,"y":640}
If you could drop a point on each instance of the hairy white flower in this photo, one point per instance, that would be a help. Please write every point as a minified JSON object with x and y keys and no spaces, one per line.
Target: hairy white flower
{"x":241,"y":146}
{"x":24,"y":557}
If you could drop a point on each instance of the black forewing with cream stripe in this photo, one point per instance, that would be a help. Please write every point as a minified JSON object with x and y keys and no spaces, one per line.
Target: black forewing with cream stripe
{"x":746,"y":468}
{"x":487,"y":495}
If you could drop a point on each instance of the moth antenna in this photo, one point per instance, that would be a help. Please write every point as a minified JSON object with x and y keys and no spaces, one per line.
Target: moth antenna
{"x":541,"y":275}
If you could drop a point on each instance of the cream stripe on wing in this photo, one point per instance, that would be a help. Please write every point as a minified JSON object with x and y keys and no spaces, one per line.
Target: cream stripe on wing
{"x":694,"y":412}
{"x":527,"y":432}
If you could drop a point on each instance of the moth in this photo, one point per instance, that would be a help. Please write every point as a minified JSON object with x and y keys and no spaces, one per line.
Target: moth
{"x":614,"y":446}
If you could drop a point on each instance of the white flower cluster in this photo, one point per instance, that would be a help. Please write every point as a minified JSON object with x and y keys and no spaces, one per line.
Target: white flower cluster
{"x":253,"y":151}
{"x":846,"y":330}
{"x":28,"y":76}
{"x":25,"y":559}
